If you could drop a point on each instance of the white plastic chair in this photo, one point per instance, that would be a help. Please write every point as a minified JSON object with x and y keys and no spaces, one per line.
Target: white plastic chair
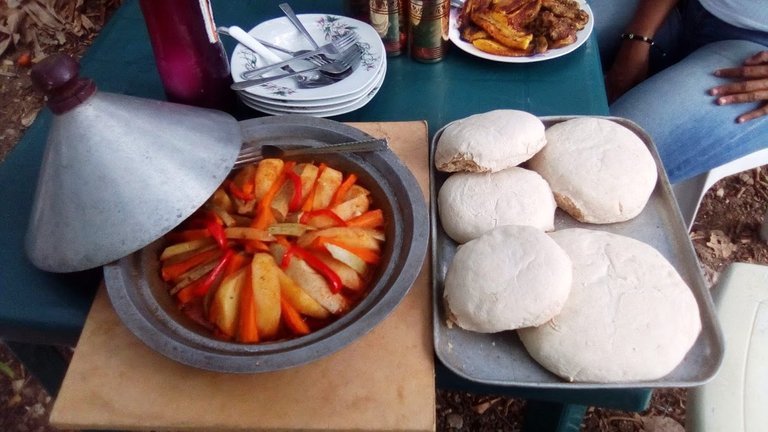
{"x":735,"y":399}
{"x":689,"y":193}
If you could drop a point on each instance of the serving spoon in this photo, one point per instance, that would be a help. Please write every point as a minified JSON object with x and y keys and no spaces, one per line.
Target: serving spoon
{"x":253,"y":153}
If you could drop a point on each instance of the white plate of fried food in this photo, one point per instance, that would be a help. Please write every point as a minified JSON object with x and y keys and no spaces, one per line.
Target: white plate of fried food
{"x":520,"y":31}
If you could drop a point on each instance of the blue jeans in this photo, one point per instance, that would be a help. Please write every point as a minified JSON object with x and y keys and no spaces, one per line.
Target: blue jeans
{"x":691,"y":133}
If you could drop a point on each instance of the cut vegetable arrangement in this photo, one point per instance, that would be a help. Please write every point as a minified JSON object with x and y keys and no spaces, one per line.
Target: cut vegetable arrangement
{"x":280,"y":249}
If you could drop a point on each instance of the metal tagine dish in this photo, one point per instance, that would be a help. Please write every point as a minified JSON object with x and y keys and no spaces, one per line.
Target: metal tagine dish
{"x":142,"y":301}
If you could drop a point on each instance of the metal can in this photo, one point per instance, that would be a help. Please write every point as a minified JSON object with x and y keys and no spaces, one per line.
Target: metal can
{"x":387,"y":17}
{"x":428,"y":29}
{"x":358,"y":9}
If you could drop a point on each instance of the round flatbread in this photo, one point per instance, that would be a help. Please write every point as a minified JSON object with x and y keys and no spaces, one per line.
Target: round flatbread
{"x":471,"y":204}
{"x":629,"y":316}
{"x":489,"y":142}
{"x":514,"y":276}
{"x":599,"y":171}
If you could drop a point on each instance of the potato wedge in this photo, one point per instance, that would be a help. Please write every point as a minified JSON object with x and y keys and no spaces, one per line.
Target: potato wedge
{"x":355,"y":191}
{"x":248,"y":233}
{"x":224,"y":215}
{"x":221,"y":200}
{"x":266,"y":294}
{"x":349,"y":277}
{"x":267,"y":172}
{"x":224,"y":303}
{"x":350,"y":259}
{"x":352,"y":207}
{"x":301,"y":301}
{"x":281,"y":201}
{"x":311,"y":282}
{"x":185,"y":247}
{"x":327,"y":183}
{"x":289,"y":229}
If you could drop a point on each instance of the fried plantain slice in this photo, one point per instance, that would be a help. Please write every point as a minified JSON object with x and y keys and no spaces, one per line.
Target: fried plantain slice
{"x":471,"y":33}
{"x":492,"y":47}
{"x":495,"y":24}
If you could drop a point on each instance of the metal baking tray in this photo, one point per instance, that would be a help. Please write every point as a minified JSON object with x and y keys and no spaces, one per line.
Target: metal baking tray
{"x":501,"y":359}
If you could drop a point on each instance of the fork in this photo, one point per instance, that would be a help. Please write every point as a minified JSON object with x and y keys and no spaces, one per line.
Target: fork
{"x":313,"y":80}
{"x":318,"y":60}
{"x":251,"y":153}
{"x":335,"y":47}
{"x":349,"y":59}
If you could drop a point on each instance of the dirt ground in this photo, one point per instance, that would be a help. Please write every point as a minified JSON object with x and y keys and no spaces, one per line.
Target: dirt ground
{"x":726,"y":231}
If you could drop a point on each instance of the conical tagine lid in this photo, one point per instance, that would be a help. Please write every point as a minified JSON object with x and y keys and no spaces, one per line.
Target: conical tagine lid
{"x":118,"y":172}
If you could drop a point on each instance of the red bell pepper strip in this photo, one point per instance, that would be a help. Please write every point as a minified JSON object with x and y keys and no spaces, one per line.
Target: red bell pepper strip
{"x":307,"y":216}
{"x":201,"y":287}
{"x":333,"y":279}
{"x":295,"y":202}
{"x":286,"y":260}
{"x":239,"y":193}
{"x":217,"y":232}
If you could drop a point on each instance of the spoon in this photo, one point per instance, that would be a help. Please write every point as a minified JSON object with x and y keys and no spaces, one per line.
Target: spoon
{"x":288,"y":11}
{"x":286,"y":8}
{"x":252,"y":153}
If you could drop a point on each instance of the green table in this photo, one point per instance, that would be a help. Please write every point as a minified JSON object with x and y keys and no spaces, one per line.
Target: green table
{"x":39,"y":310}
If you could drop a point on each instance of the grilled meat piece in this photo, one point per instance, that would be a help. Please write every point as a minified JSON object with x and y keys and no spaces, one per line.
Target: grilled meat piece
{"x":569,"y":9}
{"x":555,"y":28}
{"x":540,"y":44}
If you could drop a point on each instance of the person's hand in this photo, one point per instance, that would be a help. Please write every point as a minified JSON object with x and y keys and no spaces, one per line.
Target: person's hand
{"x":629,"y":68}
{"x":751,"y":86}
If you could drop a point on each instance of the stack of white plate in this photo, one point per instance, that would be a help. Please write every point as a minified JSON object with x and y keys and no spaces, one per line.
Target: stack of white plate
{"x":288,"y":95}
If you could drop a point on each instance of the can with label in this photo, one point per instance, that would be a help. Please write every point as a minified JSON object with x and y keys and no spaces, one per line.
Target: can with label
{"x":358,"y":9}
{"x":428,"y":29}
{"x":388,"y":18}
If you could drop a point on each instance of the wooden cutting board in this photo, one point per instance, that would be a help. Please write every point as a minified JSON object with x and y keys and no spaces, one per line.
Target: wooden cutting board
{"x":383,"y":381}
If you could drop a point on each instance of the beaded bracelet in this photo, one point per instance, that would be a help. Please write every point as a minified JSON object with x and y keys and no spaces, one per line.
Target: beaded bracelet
{"x":641,"y":38}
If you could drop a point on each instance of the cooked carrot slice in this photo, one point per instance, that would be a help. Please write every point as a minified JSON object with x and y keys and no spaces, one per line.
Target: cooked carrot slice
{"x":369,"y":219}
{"x":341,"y":192}
{"x":247,"y":331}
{"x":293,"y":319}
{"x":173,"y":271}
